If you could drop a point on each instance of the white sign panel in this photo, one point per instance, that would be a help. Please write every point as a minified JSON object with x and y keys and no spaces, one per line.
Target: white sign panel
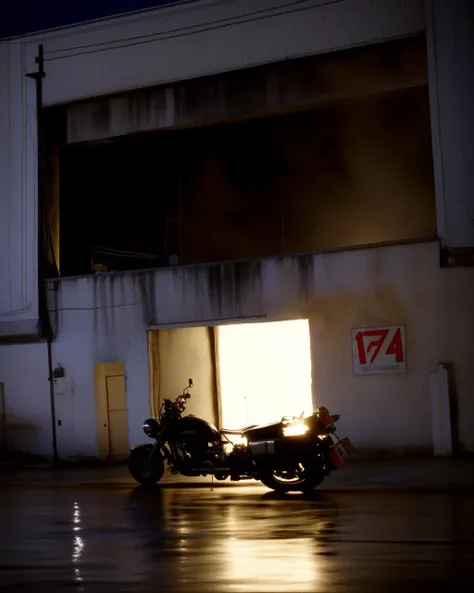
{"x":379,"y":350}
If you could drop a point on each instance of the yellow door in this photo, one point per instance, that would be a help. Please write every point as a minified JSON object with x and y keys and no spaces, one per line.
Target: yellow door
{"x":111,"y":406}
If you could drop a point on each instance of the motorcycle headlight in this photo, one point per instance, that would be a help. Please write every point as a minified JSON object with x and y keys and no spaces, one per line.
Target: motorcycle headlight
{"x":151,"y":428}
{"x":295,"y":430}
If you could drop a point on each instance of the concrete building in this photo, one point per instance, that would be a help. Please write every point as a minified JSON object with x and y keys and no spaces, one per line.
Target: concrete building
{"x":208,"y":169}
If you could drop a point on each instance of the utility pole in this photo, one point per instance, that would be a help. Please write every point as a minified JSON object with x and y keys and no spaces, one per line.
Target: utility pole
{"x":45,"y":328}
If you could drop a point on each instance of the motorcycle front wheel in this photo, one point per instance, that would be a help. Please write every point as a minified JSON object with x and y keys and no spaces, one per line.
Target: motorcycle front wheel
{"x":139,"y":469}
{"x":297,"y":479}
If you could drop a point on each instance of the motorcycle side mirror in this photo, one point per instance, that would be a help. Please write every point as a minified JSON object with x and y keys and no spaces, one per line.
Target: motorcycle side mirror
{"x":190,"y":382}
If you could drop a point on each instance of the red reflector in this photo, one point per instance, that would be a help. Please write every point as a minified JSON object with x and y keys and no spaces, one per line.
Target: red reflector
{"x":338,"y":455}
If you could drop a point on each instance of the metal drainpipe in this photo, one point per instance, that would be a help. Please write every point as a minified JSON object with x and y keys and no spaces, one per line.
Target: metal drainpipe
{"x":45,"y":327}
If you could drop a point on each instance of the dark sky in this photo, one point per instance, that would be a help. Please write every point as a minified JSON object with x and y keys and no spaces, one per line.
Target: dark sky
{"x":28,"y":16}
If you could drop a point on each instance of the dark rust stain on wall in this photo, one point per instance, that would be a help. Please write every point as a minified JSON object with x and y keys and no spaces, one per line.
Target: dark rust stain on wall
{"x":147,"y":293}
{"x":215,"y":282}
{"x":95,"y":302}
{"x":102,"y":282}
{"x":247,"y":274}
{"x":227,"y":283}
{"x":306,"y":275}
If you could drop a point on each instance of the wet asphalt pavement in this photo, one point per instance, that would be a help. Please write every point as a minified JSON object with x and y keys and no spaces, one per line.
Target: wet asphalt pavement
{"x":234,"y":539}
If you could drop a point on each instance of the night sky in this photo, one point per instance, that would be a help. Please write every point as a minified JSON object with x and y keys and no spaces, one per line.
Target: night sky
{"x":28,"y":16}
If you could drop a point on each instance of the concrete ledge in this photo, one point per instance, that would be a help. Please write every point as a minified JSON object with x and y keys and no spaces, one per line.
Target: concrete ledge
{"x":19,"y":332}
{"x":266,"y":90}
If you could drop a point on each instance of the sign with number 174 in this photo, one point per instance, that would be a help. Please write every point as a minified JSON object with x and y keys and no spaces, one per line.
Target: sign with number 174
{"x":379,"y":350}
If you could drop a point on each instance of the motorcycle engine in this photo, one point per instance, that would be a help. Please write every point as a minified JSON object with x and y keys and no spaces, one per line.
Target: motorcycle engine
{"x":196,"y":452}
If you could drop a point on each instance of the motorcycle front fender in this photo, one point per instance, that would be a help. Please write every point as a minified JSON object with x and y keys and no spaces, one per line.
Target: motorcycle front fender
{"x":152,"y":450}
{"x":148,"y":446}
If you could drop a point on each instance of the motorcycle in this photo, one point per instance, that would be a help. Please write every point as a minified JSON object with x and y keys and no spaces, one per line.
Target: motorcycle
{"x":295,"y":454}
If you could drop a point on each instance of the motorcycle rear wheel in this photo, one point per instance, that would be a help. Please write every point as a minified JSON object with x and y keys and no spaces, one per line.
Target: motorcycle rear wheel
{"x":274,"y":480}
{"x":140,"y":471}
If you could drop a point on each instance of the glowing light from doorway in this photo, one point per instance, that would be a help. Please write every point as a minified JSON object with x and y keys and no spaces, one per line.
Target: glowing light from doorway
{"x":271,"y":564}
{"x":78,"y":543}
{"x":268,"y":563}
{"x":265,"y":372}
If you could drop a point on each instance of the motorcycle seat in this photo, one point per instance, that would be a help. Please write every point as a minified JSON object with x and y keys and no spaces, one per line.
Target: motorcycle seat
{"x":236,"y":431}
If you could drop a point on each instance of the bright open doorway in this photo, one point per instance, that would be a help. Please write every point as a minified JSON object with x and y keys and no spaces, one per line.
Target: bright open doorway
{"x":264,"y":372}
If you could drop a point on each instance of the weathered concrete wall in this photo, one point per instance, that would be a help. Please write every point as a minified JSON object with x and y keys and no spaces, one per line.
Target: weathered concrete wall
{"x":78,"y":68}
{"x":137,"y":51}
{"x":272,"y":89}
{"x":105,"y":318}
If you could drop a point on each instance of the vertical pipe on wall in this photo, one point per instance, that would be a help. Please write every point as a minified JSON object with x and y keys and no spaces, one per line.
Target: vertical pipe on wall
{"x":45,"y":328}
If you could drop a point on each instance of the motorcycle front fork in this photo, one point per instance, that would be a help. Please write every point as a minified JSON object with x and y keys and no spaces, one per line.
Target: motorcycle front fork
{"x":156,"y":450}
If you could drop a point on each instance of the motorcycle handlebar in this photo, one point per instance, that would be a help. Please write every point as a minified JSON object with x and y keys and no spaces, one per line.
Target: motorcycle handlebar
{"x":180,"y":401}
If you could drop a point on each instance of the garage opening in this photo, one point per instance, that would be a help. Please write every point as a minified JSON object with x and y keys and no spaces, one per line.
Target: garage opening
{"x":265,"y":371}
{"x":248,"y":373}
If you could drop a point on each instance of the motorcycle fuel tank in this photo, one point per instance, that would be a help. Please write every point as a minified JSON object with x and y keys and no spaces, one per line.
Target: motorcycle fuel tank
{"x":193,"y":428}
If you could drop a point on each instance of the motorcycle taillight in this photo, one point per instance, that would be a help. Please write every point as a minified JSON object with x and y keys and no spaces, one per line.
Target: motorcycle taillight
{"x":324,"y":416}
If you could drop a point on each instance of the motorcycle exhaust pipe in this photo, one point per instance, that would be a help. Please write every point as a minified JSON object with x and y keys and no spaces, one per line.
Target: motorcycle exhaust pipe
{"x":212,"y":470}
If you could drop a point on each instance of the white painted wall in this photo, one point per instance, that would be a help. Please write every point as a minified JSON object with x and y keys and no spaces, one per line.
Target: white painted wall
{"x":24,"y":373}
{"x":92,"y":334}
{"x":18,"y":200}
{"x":104,"y":318}
{"x":451,"y":63}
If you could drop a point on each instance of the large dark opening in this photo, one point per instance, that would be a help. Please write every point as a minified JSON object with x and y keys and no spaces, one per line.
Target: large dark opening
{"x":354,"y":173}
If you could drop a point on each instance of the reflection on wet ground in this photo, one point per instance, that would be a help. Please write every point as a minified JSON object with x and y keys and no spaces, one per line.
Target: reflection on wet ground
{"x":234,"y":539}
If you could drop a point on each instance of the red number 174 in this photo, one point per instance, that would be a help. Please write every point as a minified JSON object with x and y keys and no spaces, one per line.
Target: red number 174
{"x":380,"y":335}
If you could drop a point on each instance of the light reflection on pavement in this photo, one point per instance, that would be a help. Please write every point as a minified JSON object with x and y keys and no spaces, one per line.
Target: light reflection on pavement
{"x":234,"y":539}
